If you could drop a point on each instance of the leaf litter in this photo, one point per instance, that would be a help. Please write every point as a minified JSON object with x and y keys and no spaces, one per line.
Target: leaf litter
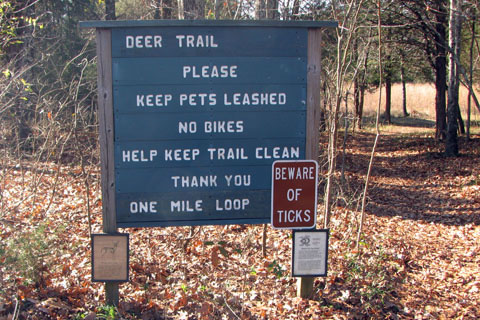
{"x":419,"y":257}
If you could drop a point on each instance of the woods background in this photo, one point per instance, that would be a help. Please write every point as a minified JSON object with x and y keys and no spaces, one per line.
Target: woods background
{"x":49,"y":79}
{"x":422,"y":55}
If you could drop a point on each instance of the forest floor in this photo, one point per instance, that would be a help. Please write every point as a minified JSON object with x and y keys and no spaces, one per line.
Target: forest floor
{"x":419,"y":257}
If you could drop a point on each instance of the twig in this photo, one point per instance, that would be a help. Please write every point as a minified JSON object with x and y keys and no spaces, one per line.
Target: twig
{"x":264,"y":241}
{"x":16,"y":311}
{"x":191,"y":235}
{"x":377,"y":128}
{"x":85,"y":181}
{"x":57,"y":175}
{"x":11,"y":221}
{"x":343,"y":63}
{"x":229,"y":308}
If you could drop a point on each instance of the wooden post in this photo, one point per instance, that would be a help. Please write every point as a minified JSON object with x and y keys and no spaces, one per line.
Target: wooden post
{"x":305,"y":287}
{"x":305,"y":284}
{"x":313,"y":93}
{"x":106,"y":133}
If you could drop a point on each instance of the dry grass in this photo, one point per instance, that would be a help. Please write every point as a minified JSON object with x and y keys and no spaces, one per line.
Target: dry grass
{"x":420,"y":101}
{"x":420,"y":106}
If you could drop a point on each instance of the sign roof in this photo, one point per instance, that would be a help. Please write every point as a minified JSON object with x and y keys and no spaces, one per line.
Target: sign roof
{"x":208,"y":23}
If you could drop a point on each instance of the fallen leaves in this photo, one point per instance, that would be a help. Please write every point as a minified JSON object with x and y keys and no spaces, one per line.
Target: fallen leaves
{"x":420,"y":255}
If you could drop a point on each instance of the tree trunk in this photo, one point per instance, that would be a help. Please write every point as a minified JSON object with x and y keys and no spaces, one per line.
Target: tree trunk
{"x":469,"y":106}
{"x":461,"y":124}
{"x":323,"y":108}
{"x":356,"y":86}
{"x":110,"y":10}
{"x":194,"y":9}
{"x":356,"y":103}
{"x":167,"y":9}
{"x":440,"y":74}
{"x":362,"y":84}
{"x":158,"y":10}
{"x":295,"y":10}
{"x":358,"y":95}
{"x":451,"y":147}
{"x":218,"y":8}
{"x":21,"y":54}
{"x":360,"y":105}
{"x":388,"y":98}
{"x":345,"y":137}
{"x":272,"y":9}
{"x":404,"y":86}
{"x":181,"y":11}
{"x":440,"y":97}
{"x":260,"y":13}
{"x":163,"y":9}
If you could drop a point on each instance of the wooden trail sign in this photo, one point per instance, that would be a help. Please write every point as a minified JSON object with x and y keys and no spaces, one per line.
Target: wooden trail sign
{"x":196,"y":112}
{"x":190,"y":105}
{"x":192,"y":115}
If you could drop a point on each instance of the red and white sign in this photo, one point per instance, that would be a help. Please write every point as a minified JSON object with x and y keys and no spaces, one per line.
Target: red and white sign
{"x":294,"y":194}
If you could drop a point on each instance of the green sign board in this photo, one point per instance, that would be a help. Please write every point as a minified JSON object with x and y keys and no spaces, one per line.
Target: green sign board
{"x":200,"y":111}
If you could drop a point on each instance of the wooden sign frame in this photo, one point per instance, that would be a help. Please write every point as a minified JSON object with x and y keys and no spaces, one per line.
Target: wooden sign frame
{"x":110,"y":257}
{"x":111,"y":180}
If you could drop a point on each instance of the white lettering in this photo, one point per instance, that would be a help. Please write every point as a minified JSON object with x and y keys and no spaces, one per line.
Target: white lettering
{"x":294,"y":215}
{"x":194,"y":181}
{"x":186,"y":70}
{"x":153,"y":154}
{"x":143,"y":207}
{"x":186,"y":206}
{"x":227,"y":154}
{"x":180,"y":38}
{"x":194,"y":99}
{"x":292,"y":173}
{"x":277,"y":152}
{"x":190,"y":40}
{"x":140,"y":41}
{"x":254,"y":99}
{"x":138,"y":155}
{"x":223,"y":126}
{"x":198,"y":41}
{"x":126,"y":156}
{"x":129,"y":42}
{"x":148,"y":41}
{"x":238,"y":180}
{"x":187,"y":127}
{"x":293,"y":194}
{"x":153,"y":100}
{"x":181,"y":154}
{"x":231,"y":204}
{"x":210,"y":71}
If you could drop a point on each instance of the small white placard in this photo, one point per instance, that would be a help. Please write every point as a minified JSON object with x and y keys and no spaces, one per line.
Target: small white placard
{"x":310,"y":253}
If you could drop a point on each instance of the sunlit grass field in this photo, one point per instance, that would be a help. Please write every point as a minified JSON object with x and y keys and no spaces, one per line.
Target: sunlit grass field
{"x":420,"y":106}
